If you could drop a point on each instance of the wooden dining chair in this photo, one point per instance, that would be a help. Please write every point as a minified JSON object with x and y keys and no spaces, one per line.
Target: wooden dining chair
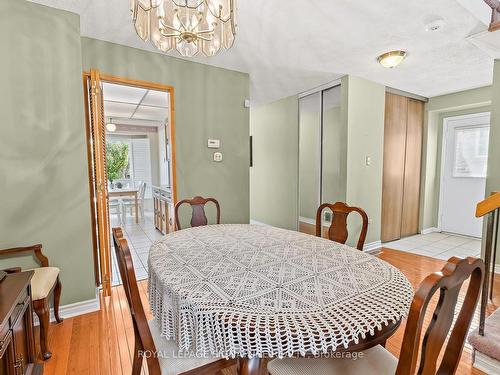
{"x":45,"y":282}
{"x":338,"y":227}
{"x":378,"y":360}
{"x":198,"y":217}
{"x":129,"y":203}
{"x":162,"y":355}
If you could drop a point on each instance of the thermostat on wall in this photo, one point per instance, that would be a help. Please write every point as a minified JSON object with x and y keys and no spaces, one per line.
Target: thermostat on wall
{"x":214,"y":143}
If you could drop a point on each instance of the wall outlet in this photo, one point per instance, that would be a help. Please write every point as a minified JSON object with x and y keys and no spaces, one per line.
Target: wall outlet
{"x":218,"y":156}
{"x":368,"y":161}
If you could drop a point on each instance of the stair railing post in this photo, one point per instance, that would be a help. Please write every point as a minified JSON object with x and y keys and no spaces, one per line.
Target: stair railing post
{"x":487,"y":266}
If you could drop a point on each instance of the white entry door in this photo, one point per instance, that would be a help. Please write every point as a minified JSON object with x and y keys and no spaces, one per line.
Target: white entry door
{"x":463,"y":172}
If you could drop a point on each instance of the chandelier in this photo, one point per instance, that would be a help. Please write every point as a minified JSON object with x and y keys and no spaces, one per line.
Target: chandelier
{"x":188,"y":26}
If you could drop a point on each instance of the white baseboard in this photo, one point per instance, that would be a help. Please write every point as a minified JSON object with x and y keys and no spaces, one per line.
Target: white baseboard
{"x":372,"y":246}
{"x":429,"y":230}
{"x":255,"y":222}
{"x":73,"y":309}
{"x":486,"y":364}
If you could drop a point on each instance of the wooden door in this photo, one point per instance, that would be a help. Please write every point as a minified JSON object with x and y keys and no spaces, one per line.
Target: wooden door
{"x":396,"y":109}
{"x":413,"y":158}
{"x":98,"y":137}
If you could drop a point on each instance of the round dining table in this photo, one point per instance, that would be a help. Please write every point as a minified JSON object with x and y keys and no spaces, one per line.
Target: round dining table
{"x":252,"y":291}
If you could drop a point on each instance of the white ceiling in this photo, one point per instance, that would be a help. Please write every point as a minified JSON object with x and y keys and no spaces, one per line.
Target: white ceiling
{"x":290,"y":46}
{"x":134,"y":103}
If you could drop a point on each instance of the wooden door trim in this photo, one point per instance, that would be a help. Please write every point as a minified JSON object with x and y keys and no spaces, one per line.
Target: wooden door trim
{"x":98,"y":131}
{"x":88,"y":136}
{"x":134,"y":83}
{"x":159,"y":87}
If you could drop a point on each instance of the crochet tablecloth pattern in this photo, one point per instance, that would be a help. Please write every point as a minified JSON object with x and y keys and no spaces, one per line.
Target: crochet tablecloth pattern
{"x":252,"y":290}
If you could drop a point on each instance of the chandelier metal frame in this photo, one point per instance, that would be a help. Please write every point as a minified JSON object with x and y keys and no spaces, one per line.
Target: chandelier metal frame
{"x":191,"y":26}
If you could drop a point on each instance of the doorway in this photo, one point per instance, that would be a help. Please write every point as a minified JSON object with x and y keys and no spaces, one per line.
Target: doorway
{"x":463,"y":173}
{"x":131,"y":153}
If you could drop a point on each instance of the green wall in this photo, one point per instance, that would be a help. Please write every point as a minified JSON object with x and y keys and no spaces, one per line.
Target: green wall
{"x":437,"y":108}
{"x":493,"y":178}
{"x":43,"y":164}
{"x":274,"y":175}
{"x":209,"y":103}
{"x":43,"y":168}
{"x":353,"y":131}
{"x":365,"y":137}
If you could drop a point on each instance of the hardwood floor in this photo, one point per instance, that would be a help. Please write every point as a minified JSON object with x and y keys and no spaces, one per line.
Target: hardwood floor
{"x":101,"y":343}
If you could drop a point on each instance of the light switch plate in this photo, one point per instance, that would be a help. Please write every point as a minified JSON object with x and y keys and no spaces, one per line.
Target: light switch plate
{"x":218,"y":156}
{"x":213,"y":143}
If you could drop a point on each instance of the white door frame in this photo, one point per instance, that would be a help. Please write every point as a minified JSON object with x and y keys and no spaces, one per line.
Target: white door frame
{"x":444,"y":146}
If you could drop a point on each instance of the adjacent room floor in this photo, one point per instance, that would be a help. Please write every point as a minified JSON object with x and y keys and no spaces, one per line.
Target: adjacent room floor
{"x":438,"y":245}
{"x":140,"y":237}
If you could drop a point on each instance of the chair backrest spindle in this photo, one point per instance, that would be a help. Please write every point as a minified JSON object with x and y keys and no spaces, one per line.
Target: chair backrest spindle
{"x":143,"y":338}
{"x":198,"y":218}
{"x":448,"y":282}
{"x":338,"y":228}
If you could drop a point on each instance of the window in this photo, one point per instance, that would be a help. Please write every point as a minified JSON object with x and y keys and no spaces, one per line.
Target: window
{"x":471,"y":152}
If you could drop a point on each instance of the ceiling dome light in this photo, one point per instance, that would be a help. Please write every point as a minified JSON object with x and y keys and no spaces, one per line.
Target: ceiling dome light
{"x":110,"y":126}
{"x":188,"y":26}
{"x":391,"y":59}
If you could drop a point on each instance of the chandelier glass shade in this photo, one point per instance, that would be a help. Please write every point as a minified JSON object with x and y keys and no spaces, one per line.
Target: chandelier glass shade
{"x":188,"y":26}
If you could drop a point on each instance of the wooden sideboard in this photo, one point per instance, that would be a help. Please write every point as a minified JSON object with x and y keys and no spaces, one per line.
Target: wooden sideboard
{"x":17,"y":342}
{"x":162,"y":201}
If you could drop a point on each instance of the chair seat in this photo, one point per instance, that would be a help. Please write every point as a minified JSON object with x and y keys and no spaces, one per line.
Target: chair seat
{"x":42,"y":282}
{"x":171,"y":361}
{"x":488,"y":344}
{"x":376,"y":360}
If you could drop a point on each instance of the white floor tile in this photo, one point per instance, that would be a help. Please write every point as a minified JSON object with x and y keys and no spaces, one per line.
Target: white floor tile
{"x":436,"y":236}
{"x":438,"y":245}
{"x":144,"y":259}
{"x":142,"y":250}
{"x":443,"y":244}
{"x":139,"y":237}
{"x":472,"y":245}
{"x":455,"y":240}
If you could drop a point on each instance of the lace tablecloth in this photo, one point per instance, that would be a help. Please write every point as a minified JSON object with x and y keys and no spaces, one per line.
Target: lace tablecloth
{"x":249,"y":290}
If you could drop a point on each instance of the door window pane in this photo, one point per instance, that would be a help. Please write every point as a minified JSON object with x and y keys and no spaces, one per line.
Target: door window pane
{"x":471,"y":152}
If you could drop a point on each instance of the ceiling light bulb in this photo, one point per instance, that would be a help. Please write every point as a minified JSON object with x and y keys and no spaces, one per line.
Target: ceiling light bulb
{"x":391,"y":59}
{"x":111,"y":127}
